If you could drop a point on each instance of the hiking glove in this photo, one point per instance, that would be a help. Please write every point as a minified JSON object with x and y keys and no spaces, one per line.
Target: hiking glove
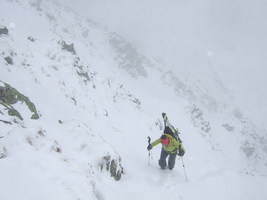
{"x":181,"y":152}
{"x":149,"y":147}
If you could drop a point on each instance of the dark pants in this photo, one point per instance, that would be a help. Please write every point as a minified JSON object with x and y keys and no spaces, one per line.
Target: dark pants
{"x":171,"y":160}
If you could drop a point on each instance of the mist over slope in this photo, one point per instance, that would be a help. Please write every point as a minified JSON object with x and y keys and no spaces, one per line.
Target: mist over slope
{"x":230,"y":34}
{"x":76,"y":97}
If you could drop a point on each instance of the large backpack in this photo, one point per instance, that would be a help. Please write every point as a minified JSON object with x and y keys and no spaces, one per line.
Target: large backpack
{"x":169,"y":129}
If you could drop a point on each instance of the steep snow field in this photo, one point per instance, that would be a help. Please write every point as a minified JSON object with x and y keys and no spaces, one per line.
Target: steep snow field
{"x":103,"y":98}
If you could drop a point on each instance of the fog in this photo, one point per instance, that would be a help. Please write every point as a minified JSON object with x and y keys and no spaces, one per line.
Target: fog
{"x":231,"y":34}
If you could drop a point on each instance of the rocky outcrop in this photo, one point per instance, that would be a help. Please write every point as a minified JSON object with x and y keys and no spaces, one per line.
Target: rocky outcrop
{"x":67,"y":47}
{"x":10,"y":96}
{"x":4,"y":31}
{"x":112,"y":165}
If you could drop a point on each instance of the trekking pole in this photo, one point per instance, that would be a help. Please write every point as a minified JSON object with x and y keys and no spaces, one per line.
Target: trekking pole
{"x":186,"y":179}
{"x":149,"y":139}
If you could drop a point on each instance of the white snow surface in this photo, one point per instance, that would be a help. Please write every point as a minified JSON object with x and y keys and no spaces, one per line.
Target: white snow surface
{"x":106,"y":100}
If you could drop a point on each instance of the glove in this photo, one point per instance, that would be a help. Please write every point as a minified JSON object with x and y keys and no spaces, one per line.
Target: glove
{"x":149,"y":147}
{"x":181,"y":151}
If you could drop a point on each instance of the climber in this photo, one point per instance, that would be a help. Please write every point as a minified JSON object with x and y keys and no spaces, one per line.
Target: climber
{"x":171,"y":145}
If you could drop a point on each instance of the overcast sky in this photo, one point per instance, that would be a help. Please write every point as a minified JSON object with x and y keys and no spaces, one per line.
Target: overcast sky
{"x":231,"y":33}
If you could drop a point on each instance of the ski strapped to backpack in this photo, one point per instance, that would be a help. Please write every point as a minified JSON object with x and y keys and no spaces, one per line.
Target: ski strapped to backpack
{"x":170,"y":130}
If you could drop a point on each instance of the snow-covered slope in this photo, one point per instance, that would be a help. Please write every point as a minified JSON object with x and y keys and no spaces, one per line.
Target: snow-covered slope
{"x":96,"y":99}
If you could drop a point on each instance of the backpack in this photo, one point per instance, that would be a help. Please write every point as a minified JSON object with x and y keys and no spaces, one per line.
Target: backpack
{"x":169,"y":129}
{"x":174,"y":134}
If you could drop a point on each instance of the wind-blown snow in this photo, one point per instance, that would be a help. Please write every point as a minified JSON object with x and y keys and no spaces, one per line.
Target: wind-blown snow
{"x":105,"y":100}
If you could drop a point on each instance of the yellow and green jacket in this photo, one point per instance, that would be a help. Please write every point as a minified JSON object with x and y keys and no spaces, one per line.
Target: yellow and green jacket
{"x":172,"y":147}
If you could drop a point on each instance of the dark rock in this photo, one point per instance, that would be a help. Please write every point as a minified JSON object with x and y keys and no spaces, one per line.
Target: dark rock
{"x":31,"y":39}
{"x":68,"y":47}
{"x":9,"y":60}
{"x":4,"y":31}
